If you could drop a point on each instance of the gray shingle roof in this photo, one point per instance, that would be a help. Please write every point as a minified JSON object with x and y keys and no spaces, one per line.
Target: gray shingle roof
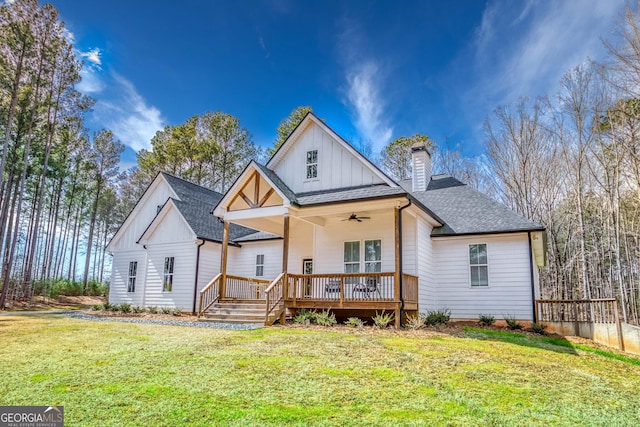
{"x":465,"y":210}
{"x":259,"y":235}
{"x":348,"y":194}
{"x":284,"y":189}
{"x":195,"y":206}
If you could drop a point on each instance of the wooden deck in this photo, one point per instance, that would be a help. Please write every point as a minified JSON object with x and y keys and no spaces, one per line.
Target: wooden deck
{"x":339,"y":291}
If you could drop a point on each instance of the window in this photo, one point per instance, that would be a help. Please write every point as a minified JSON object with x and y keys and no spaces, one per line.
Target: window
{"x":259,"y":265}
{"x":133,"y":270}
{"x":372,"y":256}
{"x":352,"y":257}
{"x":312,"y":164}
{"x":479,"y":271}
{"x":167,"y":282}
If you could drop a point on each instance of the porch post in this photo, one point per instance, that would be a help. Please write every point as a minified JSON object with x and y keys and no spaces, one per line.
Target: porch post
{"x":285,"y":265}
{"x":398,"y":267}
{"x":223,"y":260}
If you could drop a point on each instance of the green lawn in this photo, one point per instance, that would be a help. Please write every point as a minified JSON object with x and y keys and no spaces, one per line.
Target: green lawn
{"x":117,"y":374}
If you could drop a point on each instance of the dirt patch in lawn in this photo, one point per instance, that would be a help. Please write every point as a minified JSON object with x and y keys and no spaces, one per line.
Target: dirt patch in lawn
{"x":39,"y":303}
{"x":185,"y":317}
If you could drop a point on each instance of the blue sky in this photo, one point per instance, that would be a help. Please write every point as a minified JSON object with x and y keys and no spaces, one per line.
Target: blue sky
{"x":374,"y":70}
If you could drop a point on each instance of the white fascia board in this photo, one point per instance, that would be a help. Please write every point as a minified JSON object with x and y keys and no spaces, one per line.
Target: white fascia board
{"x":221,"y":210}
{"x":273,"y":162}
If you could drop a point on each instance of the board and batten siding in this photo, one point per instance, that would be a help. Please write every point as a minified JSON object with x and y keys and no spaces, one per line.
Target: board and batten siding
{"x":181,"y":296}
{"x":142,"y":215}
{"x":301,"y":238}
{"x":329,"y":241}
{"x":509,"y":290}
{"x":337,"y":167}
{"x":242,"y":261}
{"x":425,"y":264}
{"x":409,"y":252}
{"x":120,"y":277}
{"x":209,"y":265}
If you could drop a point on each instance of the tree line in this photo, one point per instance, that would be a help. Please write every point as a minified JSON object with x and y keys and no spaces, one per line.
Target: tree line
{"x":570,"y":161}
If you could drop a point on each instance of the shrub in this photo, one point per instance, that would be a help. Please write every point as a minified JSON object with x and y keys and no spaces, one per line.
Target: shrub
{"x":125,"y":307}
{"x":382,"y":320}
{"x":538,"y":328}
{"x":325,"y":318}
{"x":512,"y":323}
{"x":114,"y":307}
{"x":438,"y":317}
{"x":95,"y":288}
{"x":97,"y":307}
{"x":354,"y":322}
{"x":486,"y":320}
{"x":152,"y":309}
{"x":177,"y":311}
{"x":416,"y":322}
{"x":137,"y":309}
{"x":166,"y":310}
{"x":305,"y":317}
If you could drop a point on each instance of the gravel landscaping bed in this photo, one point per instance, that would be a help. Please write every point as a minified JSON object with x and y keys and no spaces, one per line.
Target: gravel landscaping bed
{"x":195,"y":324}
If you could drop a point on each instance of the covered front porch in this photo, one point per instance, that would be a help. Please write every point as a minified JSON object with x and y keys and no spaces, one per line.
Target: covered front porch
{"x":337,"y":249}
{"x":336,"y":291}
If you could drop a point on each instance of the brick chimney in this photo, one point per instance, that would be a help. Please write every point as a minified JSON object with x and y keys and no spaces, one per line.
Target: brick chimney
{"x":421,"y":165}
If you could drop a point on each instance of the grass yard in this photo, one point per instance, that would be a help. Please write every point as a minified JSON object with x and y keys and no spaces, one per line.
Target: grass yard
{"x":117,"y":374}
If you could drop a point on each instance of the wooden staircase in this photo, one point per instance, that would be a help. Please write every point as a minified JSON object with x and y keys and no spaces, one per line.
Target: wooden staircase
{"x":236,"y":312}
{"x":265,"y":304}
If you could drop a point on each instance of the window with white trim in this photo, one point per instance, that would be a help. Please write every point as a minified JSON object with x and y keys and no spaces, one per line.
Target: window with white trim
{"x":372,"y":256}
{"x":167,"y":281}
{"x":352,"y":257}
{"x":259,"y":265}
{"x":363,"y":256}
{"x":312,"y":164}
{"x":133,"y":271}
{"x":478,"y":264}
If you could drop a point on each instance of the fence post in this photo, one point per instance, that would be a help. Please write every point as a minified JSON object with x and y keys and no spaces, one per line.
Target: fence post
{"x":618,"y":325}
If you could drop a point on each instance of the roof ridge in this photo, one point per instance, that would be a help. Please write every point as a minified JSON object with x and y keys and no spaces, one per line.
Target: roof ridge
{"x":190,"y":183}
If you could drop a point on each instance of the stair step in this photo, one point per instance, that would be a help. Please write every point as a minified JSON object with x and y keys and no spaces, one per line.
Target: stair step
{"x":241,"y":321}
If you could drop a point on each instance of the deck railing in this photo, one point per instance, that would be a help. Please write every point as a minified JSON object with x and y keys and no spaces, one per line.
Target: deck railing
{"x":595,"y":310}
{"x":341,"y":286}
{"x":245,"y":288}
{"x":274,"y":295}
{"x":410,"y":287}
{"x":209,"y":294}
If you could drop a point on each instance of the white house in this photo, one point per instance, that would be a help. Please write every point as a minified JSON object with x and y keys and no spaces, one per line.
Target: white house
{"x":320,"y":226}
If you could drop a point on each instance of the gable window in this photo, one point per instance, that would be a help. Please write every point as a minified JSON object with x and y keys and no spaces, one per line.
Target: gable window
{"x":259,"y":265}
{"x":312,"y":164}
{"x":131,"y":282}
{"x":478,"y":265}
{"x":167,"y":281}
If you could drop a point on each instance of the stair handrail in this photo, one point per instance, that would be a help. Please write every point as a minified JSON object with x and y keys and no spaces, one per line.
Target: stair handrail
{"x":274,"y":295}
{"x":210,"y":294}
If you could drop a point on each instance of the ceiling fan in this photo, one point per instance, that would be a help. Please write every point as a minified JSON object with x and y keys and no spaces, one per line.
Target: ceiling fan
{"x":355,"y":218}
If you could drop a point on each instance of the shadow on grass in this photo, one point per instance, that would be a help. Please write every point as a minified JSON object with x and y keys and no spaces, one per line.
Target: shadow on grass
{"x":555,"y":343}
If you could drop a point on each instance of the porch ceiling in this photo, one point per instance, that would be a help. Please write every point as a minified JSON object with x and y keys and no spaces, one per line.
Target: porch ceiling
{"x":271,"y":219}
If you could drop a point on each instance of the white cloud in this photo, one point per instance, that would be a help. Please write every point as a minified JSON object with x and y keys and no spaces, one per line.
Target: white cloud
{"x":91,"y":82}
{"x":365,"y":79}
{"x":367,"y":105}
{"x":524,"y":51}
{"x":125,"y":112}
{"x":67,"y":34}
{"x":93,"y":56}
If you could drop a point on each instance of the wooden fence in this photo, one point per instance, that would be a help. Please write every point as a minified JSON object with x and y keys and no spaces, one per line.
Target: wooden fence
{"x":594,"y":311}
